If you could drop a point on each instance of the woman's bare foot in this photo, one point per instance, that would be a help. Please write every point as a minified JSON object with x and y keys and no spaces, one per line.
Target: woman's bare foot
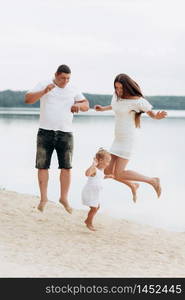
{"x":66,"y":205}
{"x":134,"y":188}
{"x":89,"y":226}
{"x":41,"y":205}
{"x":156,"y":185}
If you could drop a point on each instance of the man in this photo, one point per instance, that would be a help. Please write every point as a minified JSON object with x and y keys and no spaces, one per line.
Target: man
{"x":58,"y":101}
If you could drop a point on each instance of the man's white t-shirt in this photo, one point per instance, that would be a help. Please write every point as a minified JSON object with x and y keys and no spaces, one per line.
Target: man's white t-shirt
{"x":55,"y":106}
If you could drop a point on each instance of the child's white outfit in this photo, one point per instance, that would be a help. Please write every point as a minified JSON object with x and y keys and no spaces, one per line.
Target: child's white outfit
{"x":91,"y":192}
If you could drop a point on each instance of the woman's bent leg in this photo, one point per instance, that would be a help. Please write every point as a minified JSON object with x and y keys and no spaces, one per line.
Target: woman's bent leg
{"x":111,"y":170}
{"x":122,"y":174}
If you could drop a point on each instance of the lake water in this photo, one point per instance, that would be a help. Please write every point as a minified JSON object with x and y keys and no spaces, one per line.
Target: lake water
{"x":159,"y":151}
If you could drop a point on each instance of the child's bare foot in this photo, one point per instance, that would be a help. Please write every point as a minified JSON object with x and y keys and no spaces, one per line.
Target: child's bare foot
{"x":66,"y":205}
{"x":134,"y":188}
{"x":89,"y":226}
{"x":41,"y":205}
{"x":156,"y":185}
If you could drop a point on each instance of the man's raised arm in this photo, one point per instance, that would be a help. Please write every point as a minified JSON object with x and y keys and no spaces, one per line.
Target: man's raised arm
{"x":31,"y":98}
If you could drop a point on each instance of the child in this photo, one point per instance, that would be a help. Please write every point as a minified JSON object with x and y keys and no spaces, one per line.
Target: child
{"x":92,"y":189}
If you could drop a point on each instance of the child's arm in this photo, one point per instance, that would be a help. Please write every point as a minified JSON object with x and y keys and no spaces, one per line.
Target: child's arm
{"x":109,"y":176}
{"x":158,"y":115}
{"x":91,"y":171}
{"x":102,"y":108}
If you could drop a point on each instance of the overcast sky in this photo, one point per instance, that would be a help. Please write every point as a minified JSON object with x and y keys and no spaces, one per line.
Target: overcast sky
{"x":98,"y":39}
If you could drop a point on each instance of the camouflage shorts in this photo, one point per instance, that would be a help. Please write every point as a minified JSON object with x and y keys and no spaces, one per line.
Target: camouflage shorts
{"x":50,"y":140}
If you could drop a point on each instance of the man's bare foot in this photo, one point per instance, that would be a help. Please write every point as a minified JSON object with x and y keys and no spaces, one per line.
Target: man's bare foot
{"x":156,"y":185}
{"x":89,"y":226}
{"x":134,"y":188}
{"x":66,"y":205}
{"x":41,"y":205}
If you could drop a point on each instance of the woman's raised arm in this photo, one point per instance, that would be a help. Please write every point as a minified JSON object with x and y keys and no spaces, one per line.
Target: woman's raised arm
{"x":102,"y":108}
{"x":158,"y":115}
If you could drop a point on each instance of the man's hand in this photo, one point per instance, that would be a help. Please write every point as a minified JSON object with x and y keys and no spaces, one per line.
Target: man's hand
{"x":31,"y":98}
{"x":75,"y":108}
{"x":98,"y":108}
{"x":49,"y":88}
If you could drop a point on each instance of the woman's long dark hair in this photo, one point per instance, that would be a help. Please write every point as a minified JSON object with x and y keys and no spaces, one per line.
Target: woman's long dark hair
{"x":130,"y":88}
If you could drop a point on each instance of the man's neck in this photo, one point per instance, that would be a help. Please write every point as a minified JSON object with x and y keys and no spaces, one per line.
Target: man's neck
{"x":62,"y":87}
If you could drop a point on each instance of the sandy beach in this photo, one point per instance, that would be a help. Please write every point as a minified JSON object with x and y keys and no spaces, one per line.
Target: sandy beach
{"x":57,"y":244}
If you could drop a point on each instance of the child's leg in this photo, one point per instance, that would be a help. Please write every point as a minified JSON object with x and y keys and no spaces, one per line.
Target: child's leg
{"x":92,"y":212}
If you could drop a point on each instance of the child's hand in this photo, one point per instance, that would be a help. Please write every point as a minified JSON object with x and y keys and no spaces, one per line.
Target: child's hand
{"x":95,"y":162}
{"x":109,"y":176}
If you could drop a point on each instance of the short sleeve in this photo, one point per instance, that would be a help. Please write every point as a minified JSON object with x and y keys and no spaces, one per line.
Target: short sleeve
{"x":40,"y":86}
{"x":143,"y":105}
{"x":113,"y":99}
{"x":79,"y":96}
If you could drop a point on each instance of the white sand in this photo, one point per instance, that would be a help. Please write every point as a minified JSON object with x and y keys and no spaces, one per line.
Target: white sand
{"x":57,"y":244}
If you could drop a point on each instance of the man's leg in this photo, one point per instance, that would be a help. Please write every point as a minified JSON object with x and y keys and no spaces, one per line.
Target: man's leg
{"x":43,"y":176}
{"x":65,"y":181}
{"x":45,"y":149}
{"x":64,"y":149}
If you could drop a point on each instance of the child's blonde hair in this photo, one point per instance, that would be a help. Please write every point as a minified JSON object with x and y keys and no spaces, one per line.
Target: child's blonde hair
{"x":102,"y":153}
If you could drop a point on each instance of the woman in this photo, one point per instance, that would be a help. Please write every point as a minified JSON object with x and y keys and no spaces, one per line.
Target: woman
{"x":128,"y":103}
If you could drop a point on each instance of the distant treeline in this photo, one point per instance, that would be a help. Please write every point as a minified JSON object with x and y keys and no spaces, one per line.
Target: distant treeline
{"x":9,"y":98}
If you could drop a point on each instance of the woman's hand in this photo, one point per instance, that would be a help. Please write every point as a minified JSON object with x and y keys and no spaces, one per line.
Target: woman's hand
{"x":98,"y":108}
{"x":158,"y":116}
{"x":161,"y":115}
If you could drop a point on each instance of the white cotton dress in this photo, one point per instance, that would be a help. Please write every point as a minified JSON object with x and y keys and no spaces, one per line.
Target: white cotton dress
{"x":125,"y":110}
{"x":91,"y":193}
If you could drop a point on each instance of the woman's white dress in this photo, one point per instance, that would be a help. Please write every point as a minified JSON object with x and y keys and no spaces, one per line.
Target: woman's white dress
{"x":125,"y":109}
{"x":91,"y":193}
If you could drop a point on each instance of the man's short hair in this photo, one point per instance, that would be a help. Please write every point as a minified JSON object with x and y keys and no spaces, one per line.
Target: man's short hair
{"x":63,"y":69}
